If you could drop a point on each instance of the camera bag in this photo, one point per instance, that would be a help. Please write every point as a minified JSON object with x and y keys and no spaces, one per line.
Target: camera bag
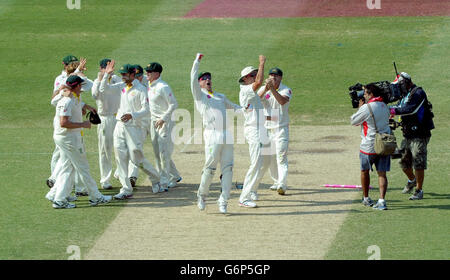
{"x":385,"y":143}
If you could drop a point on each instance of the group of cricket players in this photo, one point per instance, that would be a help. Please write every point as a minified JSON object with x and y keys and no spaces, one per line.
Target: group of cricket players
{"x":134,"y":105}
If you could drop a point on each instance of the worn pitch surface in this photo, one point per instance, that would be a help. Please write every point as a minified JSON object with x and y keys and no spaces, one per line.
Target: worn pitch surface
{"x":299,"y":225}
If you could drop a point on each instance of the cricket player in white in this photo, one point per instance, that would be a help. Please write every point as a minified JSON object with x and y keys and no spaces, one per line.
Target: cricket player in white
{"x":256,"y":135}
{"x":108,"y":102}
{"x":68,"y":124}
{"x":162,"y":105}
{"x":212,"y":106}
{"x":128,"y":133}
{"x":71,"y":66}
{"x":133,"y":170}
{"x":275,"y":97}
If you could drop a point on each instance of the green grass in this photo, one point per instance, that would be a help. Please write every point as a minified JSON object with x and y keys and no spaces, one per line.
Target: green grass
{"x":320,"y":57}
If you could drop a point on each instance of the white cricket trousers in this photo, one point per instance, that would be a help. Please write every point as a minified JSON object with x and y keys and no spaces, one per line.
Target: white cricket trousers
{"x":128,"y":146}
{"x":163,"y":148}
{"x":260,"y":160}
{"x":133,"y":170}
{"x":215,"y":154}
{"x":55,"y":168}
{"x":73,"y":160}
{"x":105,"y":133}
{"x":280,"y":143}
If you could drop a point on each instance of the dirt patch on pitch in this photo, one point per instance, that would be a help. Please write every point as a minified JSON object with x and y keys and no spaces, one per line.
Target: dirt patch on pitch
{"x":299,"y":225}
{"x":318,"y":8}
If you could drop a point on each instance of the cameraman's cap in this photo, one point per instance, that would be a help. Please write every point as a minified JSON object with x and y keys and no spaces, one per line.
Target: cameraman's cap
{"x":68,"y":59}
{"x":203,"y":74}
{"x":139,"y":70}
{"x":104,"y":62}
{"x":154,"y":67}
{"x":247,"y":70}
{"x":127,"y":68}
{"x":276,"y":71}
{"x":405,"y":76}
{"x":73,"y":81}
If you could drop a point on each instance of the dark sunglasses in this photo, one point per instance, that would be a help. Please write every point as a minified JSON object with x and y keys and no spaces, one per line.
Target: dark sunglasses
{"x":205,"y":77}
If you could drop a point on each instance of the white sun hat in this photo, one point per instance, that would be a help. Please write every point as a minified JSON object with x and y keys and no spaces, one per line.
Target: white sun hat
{"x":247,"y":70}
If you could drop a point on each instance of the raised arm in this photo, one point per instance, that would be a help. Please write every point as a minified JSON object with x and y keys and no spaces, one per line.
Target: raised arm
{"x":108,"y":72}
{"x":260,"y":75}
{"x":195,"y":86}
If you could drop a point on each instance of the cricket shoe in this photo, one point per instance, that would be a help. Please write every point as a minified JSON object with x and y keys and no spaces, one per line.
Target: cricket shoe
{"x":273,"y":187}
{"x":254,"y":196}
{"x":133,"y":182}
{"x":201,"y":203}
{"x":101,"y":200}
{"x":409,"y":186}
{"x":418,"y":195}
{"x":107,"y":187}
{"x":281,"y":190}
{"x":174,"y":183}
{"x":156,"y":187}
{"x":368,"y":202}
{"x":50,"y":183}
{"x":81,"y":194}
{"x":72,"y":198}
{"x":380,"y":205}
{"x":247,"y":204}
{"x":223,"y":208}
{"x":123,"y":195}
{"x":63,"y":205}
{"x":163,"y":188}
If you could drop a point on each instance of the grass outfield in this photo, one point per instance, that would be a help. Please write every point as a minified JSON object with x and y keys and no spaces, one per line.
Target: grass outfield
{"x":321,"y":57}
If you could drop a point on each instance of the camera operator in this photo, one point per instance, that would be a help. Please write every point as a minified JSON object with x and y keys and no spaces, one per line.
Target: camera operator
{"x":367,"y":155}
{"x":416,"y":120}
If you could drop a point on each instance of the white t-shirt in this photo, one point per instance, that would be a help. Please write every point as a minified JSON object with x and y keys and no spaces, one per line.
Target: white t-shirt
{"x":279,"y":113}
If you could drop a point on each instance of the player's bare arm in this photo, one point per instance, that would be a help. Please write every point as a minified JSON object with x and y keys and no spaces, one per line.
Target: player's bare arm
{"x":260,"y":75}
{"x":280,"y":98}
{"x":66,"y":123}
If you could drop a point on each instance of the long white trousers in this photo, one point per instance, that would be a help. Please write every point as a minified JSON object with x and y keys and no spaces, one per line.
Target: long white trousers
{"x":72,"y":160}
{"x":55,"y":167}
{"x":128,"y":146}
{"x":215,"y":154}
{"x":261,"y":159}
{"x":280,"y":140}
{"x":163,"y":148}
{"x":105,"y":133}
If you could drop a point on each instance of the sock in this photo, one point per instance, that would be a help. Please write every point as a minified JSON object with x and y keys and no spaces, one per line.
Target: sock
{"x":381,"y":200}
{"x":366,"y":198}
{"x":411,"y":181}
